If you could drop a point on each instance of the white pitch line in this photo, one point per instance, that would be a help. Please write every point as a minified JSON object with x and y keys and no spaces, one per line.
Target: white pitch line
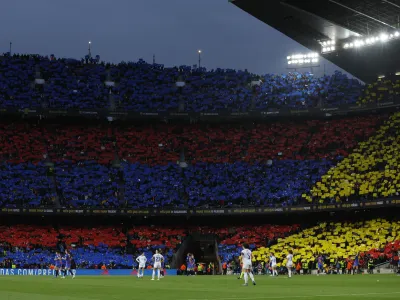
{"x":303,"y":296}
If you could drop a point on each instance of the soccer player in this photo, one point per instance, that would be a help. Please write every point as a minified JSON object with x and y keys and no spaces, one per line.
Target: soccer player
{"x":355,"y":264}
{"x":157,"y":259}
{"x":57,"y":263}
{"x":68,"y":260}
{"x":142,"y":264}
{"x":272,"y":260}
{"x":320,"y":262}
{"x":289,"y":263}
{"x":191,"y":264}
{"x":63,"y":272}
{"x":73,"y":267}
{"x":241,"y":268}
{"x":247,"y":264}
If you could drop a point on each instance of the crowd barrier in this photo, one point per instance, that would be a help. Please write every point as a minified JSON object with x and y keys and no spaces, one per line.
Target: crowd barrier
{"x":49,"y":272}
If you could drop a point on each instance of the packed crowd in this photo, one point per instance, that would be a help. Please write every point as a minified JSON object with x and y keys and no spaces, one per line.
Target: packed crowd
{"x":25,"y":185}
{"x":231,"y":239}
{"x":117,"y":247}
{"x":112,"y":247}
{"x":139,"y":86}
{"x":371,"y":171}
{"x":381,"y":91}
{"x":228,"y":165}
{"x":378,"y":239}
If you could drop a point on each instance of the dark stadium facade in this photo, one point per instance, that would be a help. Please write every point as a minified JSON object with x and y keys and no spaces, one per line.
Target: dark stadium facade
{"x":311,"y":22}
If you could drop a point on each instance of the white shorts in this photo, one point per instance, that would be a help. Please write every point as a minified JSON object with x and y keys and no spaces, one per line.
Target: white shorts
{"x":289,"y":265}
{"x":142,"y":266}
{"x":273,"y":266}
{"x":157,"y":265}
{"x":247,"y":266}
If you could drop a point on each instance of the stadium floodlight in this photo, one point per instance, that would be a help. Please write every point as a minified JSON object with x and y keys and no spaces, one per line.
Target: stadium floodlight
{"x":302,"y":60}
{"x":383,"y":37}
{"x":397,"y":73}
{"x":396,"y":34}
{"x":381,"y":76}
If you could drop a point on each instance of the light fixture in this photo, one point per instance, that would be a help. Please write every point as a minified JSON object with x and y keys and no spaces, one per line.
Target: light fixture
{"x":381,"y":76}
{"x":288,"y":57}
{"x":396,"y":34}
{"x":383,"y":37}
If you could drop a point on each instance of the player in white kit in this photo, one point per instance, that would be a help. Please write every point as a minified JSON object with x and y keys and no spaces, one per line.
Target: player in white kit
{"x":142,"y":265}
{"x":157,"y":259}
{"x":289,"y":263}
{"x":247,"y":264}
{"x":272,"y":260}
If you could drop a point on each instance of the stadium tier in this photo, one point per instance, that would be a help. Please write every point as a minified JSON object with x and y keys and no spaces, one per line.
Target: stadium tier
{"x":117,"y":247}
{"x":35,"y":246}
{"x":377,"y":238}
{"x":228,"y":165}
{"x":68,"y":83}
{"x":371,"y":171}
{"x":380,"y":91}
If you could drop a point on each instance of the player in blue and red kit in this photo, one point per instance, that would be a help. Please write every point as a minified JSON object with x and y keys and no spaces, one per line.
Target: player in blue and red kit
{"x":190,"y":264}
{"x":68,"y":262}
{"x":356,"y":263}
{"x":320,"y":263}
{"x":57,"y":264}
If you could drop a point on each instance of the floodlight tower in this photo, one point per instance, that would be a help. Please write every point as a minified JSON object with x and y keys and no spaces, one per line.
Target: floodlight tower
{"x":301,"y":61}
{"x":199,"y":52}
{"x":90,"y":53}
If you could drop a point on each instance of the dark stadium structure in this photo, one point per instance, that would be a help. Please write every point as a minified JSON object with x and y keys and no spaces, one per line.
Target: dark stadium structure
{"x":313,"y":22}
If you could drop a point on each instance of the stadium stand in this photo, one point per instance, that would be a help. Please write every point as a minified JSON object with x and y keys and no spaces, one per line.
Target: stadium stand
{"x":259,"y":164}
{"x":371,"y":171}
{"x":140,"y":86}
{"x":25,"y":185}
{"x":116,"y":247}
{"x":231,"y":239}
{"x":378,"y":238}
{"x":382,"y":90}
{"x":296,"y":90}
{"x":35,"y":246}
{"x":87,"y":184}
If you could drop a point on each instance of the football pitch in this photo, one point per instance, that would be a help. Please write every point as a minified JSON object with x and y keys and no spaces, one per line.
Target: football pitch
{"x":200,"y":288}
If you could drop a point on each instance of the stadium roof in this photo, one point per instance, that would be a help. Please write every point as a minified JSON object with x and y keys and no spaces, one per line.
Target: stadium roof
{"x":310,"y":22}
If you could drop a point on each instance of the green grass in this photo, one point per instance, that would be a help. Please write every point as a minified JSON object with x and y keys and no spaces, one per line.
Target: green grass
{"x":200,"y":288}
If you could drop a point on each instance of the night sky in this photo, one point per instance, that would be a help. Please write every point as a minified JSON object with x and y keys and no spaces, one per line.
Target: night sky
{"x":126,"y":30}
